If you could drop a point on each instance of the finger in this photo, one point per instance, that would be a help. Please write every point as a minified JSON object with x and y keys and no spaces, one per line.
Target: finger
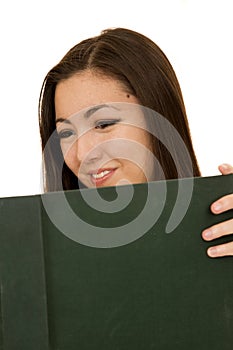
{"x":223,"y":229}
{"x":221,"y":250}
{"x":223,"y":204}
{"x":225,"y":169}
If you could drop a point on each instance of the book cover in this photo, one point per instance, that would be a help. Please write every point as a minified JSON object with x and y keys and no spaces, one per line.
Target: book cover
{"x":116,"y":268}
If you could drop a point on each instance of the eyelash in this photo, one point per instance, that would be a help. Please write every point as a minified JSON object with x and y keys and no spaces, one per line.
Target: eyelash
{"x":64,"y":134}
{"x":105,"y":123}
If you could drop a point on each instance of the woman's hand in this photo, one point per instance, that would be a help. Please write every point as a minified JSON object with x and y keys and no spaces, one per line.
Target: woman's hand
{"x":224,"y":228}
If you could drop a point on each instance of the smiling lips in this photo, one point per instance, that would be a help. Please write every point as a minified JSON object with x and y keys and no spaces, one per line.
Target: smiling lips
{"x":100,"y":176}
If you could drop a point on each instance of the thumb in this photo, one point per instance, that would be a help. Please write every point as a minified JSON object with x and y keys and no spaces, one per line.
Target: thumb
{"x":225,"y":169}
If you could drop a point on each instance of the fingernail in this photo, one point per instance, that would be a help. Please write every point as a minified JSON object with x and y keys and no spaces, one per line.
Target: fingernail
{"x":225,"y":166}
{"x":207,"y":234}
{"x":212,"y":252}
{"x":217,"y":206}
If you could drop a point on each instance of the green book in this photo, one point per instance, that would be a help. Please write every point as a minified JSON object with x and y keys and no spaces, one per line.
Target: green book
{"x":115,"y":269}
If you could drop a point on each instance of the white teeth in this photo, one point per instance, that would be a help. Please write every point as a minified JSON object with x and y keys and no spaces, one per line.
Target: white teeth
{"x":102,"y":174}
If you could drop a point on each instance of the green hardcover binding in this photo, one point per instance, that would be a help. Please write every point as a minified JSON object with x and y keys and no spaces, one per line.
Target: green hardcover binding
{"x":22,"y":275}
{"x":66,"y":286}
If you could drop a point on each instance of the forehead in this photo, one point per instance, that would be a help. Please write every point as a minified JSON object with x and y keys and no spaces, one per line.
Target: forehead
{"x":87,"y":89}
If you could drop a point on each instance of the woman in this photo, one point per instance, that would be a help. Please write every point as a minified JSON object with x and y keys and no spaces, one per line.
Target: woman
{"x":86,"y":115}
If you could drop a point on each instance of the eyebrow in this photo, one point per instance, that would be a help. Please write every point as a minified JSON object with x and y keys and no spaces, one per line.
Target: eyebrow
{"x":89,"y":112}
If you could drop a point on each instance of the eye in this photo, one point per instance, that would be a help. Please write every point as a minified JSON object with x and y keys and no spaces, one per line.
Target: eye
{"x":65,"y":134}
{"x":102,"y":124}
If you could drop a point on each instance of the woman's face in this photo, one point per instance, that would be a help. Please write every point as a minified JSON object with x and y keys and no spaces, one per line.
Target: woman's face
{"x":102,"y":131}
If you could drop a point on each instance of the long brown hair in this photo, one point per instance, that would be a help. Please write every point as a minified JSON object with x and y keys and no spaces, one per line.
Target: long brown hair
{"x":140,"y":65}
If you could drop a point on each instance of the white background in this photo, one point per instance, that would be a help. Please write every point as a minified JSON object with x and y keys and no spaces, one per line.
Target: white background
{"x":196,"y":35}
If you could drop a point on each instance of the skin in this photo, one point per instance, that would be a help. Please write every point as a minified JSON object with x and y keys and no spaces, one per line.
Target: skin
{"x":224,"y":228}
{"x":87,"y":146}
{"x":112,"y":139}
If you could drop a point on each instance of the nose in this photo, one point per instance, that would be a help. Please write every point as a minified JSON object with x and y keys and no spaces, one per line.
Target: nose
{"x":88,"y":148}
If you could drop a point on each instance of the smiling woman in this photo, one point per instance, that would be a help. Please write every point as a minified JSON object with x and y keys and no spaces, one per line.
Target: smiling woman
{"x":123,"y":66}
{"x":91,"y":135}
{"x":89,"y":146}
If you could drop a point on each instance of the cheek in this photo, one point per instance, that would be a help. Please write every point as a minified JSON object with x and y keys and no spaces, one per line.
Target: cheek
{"x":136,"y":143}
{"x":144,"y":138}
{"x":137,"y":134}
